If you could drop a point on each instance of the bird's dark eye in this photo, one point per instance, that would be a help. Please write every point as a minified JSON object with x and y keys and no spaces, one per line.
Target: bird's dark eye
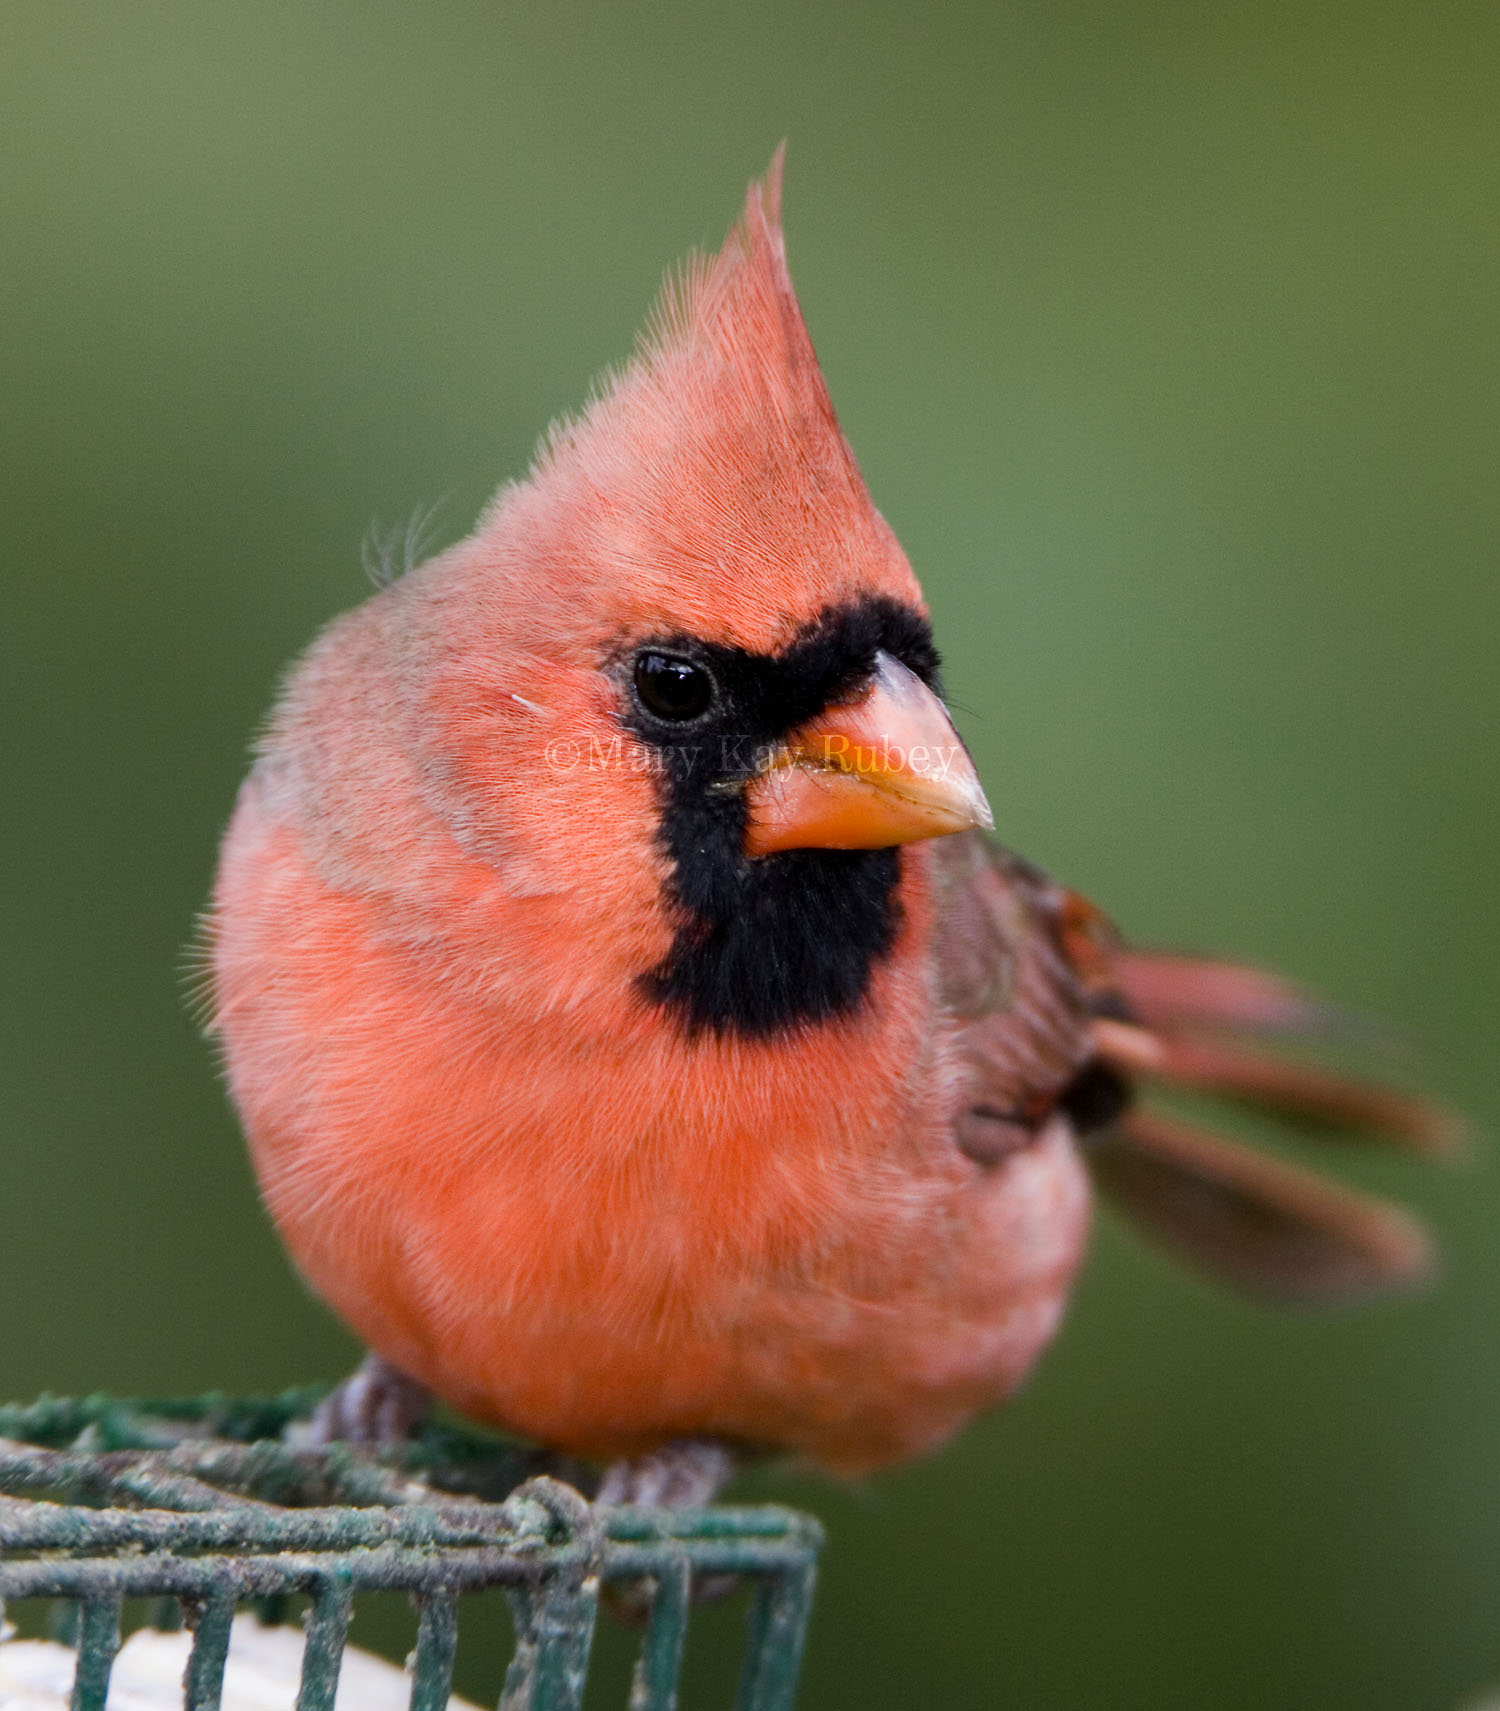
{"x":671,"y":687}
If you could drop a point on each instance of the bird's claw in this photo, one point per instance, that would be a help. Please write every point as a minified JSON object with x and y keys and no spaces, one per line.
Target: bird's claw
{"x":377,"y":1404}
{"x":681,"y":1475}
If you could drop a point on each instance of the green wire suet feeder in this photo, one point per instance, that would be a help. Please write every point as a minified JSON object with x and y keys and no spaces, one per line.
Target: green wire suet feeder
{"x":204,"y":1507}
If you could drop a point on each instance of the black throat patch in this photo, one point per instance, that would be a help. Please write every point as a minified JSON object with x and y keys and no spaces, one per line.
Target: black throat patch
{"x":783,"y":940}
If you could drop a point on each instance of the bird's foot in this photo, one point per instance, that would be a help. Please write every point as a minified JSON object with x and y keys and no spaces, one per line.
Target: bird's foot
{"x":681,"y":1475}
{"x":376,"y":1404}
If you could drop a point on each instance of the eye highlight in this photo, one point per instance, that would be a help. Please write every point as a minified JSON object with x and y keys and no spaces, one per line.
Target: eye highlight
{"x":672,"y":688}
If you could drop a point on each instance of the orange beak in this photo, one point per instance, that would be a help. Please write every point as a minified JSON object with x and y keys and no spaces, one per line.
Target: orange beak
{"x":887,"y":769}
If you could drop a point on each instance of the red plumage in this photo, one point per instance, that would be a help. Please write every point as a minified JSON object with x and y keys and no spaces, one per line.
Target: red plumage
{"x":620,"y":1103}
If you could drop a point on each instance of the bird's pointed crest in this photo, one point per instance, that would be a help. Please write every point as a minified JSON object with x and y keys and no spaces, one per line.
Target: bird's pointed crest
{"x":708,"y":481}
{"x":721,"y":298}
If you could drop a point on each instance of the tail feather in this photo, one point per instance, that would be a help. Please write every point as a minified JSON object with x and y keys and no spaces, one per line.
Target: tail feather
{"x":1335,"y":1103}
{"x":1257,"y":1222}
{"x":1170,"y":991}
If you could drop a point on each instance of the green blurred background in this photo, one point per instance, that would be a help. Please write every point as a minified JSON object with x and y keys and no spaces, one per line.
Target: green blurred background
{"x":1167,"y":337}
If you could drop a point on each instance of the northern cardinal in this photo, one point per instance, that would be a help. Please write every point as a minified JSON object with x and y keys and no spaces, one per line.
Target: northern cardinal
{"x":639,"y":1042}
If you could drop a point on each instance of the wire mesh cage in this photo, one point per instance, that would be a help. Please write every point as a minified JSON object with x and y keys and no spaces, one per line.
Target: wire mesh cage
{"x":204,"y":1507}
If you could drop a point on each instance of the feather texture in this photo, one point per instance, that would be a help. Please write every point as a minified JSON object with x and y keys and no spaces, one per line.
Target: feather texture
{"x":519,"y":1115}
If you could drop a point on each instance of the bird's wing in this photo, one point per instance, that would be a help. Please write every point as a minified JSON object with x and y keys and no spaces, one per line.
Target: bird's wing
{"x":1056,"y":1012}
